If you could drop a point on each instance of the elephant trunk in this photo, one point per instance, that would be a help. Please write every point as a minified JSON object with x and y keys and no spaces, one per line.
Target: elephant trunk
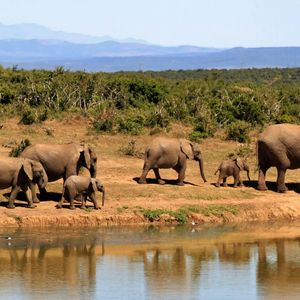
{"x":103,"y":196}
{"x":248,"y":175}
{"x":43,"y":180}
{"x":93,"y":171}
{"x":201,"y":169}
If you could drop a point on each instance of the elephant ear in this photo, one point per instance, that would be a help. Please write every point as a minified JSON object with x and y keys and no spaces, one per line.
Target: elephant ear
{"x":239,"y":163}
{"x":27,"y":167}
{"x":186,"y":148}
{"x":94,"y":184}
{"x":87,"y":156}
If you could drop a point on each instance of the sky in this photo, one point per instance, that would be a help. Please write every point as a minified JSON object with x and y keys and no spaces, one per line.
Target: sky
{"x":205,"y":23}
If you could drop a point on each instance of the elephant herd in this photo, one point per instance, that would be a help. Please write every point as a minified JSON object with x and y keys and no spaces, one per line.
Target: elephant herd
{"x":277,"y":146}
{"x":42,"y":163}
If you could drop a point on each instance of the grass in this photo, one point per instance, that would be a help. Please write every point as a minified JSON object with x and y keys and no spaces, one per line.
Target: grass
{"x":18,"y":219}
{"x":88,"y":209}
{"x":181,"y":215}
{"x":122,"y":209}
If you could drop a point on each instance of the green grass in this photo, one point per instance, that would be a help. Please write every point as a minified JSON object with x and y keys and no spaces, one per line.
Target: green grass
{"x":219,"y":210}
{"x":122,"y":209}
{"x":88,"y":209}
{"x":181,"y":214}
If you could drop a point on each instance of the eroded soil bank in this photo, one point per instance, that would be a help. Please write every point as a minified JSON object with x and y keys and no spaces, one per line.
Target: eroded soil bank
{"x":265,"y":208}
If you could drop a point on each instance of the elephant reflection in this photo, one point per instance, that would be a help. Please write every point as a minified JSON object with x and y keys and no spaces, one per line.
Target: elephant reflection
{"x":279,"y":275}
{"x":44,"y":265}
{"x":233,"y":252}
{"x":164,"y":268}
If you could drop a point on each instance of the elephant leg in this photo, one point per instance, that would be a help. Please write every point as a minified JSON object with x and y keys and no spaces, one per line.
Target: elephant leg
{"x":83,"y":202}
{"x":241,"y":183}
{"x":262,"y":179}
{"x":181,"y":175}
{"x":72,"y":206}
{"x":157,"y":175}
{"x":236,"y":181}
{"x":281,"y":187}
{"x":146,"y":169}
{"x":29,"y":199}
{"x":13,"y":195}
{"x":33,"y":192}
{"x":219,"y":180}
{"x":60,"y":203}
{"x":225,"y":182}
{"x":94,"y":200}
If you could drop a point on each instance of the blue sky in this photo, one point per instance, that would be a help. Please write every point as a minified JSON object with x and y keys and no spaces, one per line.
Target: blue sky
{"x":207,"y":23}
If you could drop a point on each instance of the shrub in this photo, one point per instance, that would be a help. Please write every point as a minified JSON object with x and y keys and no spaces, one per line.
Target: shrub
{"x":32,"y":115}
{"x":103,"y":125}
{"x":131,"y":125}
{"x":239,"y":131}
{"x":131,"y":150}
{"x":196,"y":136}
{"x":16,"y":151}
{"x":158,"y":118}
{"x":28,"y":116}
{"x":286,"y":119}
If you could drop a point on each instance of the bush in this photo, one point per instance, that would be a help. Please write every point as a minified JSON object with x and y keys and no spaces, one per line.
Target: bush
{"x":103,"y":125}
{"x":31,"y":115}
{"x":286,"y":119}
{"x":196,"y":136}
{"x":158,"y":118}
{"x":131,"y":150}
{"x":131,"y":125}
{"x":16,"y":151}
{"x":239,"y":131}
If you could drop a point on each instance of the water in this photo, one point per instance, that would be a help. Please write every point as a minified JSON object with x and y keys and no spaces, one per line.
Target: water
{"x":249,"y":262}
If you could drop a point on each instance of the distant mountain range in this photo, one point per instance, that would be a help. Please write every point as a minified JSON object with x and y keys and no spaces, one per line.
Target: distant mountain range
{"x":31,"y":31}
{"x":33,"y":46}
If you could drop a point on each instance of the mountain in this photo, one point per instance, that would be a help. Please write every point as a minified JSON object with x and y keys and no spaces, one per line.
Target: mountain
{"x":30,"y":31}
{"x":34,"y":46}
{"x":54,"y":49}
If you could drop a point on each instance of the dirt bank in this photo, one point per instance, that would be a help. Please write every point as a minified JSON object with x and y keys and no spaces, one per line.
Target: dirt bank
{"x":131,"y":203}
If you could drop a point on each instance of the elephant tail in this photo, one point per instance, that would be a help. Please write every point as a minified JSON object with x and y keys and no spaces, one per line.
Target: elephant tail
{"x":217,"y":171}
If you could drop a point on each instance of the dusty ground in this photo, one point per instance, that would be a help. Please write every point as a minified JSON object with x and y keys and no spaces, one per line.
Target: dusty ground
{"x":127,"y":201}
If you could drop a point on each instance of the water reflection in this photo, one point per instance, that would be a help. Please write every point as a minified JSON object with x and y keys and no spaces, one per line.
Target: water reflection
{"x":166,"y":263}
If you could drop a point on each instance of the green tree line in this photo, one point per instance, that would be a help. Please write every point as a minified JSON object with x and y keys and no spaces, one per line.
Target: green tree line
{"x":129,"y":102}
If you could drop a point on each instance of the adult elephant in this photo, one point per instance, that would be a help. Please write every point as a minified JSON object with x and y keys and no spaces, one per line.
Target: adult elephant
{"x":21,"y":174}
{"x":62,"y":160}
{"x":165,"y":153}
{"x":278,"y":146}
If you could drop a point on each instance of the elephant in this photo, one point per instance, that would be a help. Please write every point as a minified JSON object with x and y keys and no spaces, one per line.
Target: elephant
{"x":278,"y":146}
{"x":232,"y":167}
{"x":164,"y":153}
{"x":83,"y":187}
{"x":21,"y":174}
{"x":62,"y":160}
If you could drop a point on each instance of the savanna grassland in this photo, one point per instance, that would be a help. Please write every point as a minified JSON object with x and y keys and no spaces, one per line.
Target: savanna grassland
{"x":118,"y":114}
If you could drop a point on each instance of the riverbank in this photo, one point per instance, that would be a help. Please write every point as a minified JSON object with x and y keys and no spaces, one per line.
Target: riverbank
{"x":267,"y":207}
{"x":129,"y":203}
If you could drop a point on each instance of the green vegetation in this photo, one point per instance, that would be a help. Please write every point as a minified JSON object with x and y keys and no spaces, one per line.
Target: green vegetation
{"x":131,"y":150}
{"x":235,"y":101}
{"x":181,"y":214}
{"x":16,"y":151}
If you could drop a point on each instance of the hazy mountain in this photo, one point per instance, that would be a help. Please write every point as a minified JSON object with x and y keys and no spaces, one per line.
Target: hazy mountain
{"x":29,"y":31}
{"x":227,"y":59}
{"x":53,"y":49}
{"x":35,"y":46}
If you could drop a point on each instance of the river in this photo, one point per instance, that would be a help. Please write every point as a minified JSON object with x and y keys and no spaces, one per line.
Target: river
{"x":258,"y":261}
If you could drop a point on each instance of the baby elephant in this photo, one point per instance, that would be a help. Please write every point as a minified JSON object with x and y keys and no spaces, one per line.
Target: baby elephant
{"x":232,"y":168}
{"x":81,"y":187}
